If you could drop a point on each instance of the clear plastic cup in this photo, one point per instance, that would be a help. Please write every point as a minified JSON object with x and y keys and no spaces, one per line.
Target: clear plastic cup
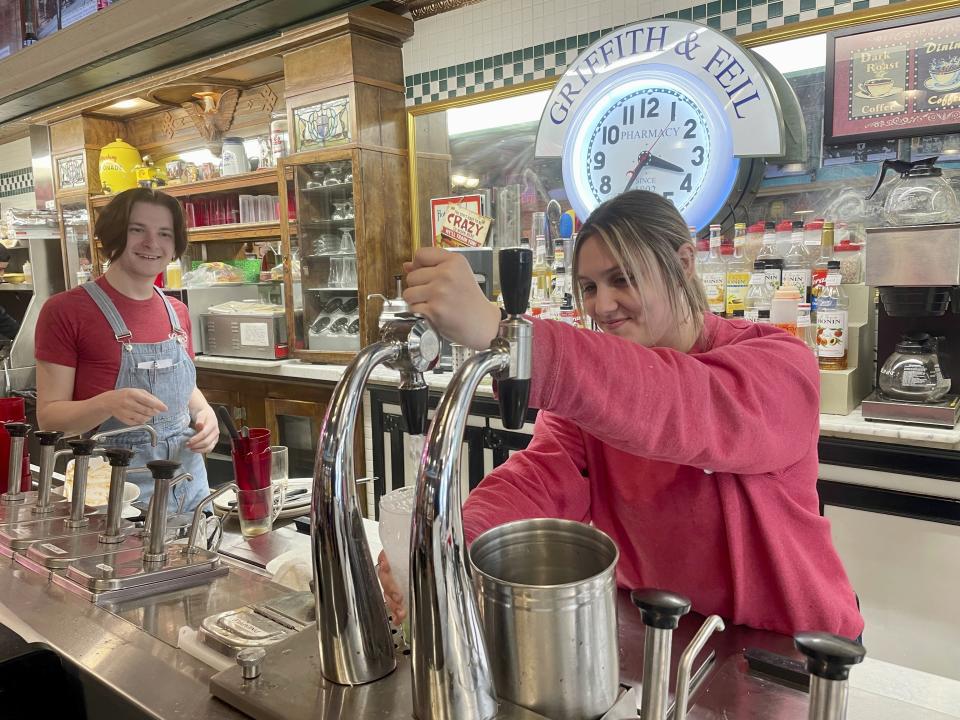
{"x":396,"y":516}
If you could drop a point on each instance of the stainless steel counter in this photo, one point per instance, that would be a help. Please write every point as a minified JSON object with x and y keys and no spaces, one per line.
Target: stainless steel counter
{"x":129,"y":652}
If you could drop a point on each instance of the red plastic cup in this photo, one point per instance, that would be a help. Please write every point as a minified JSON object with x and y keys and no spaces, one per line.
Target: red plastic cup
{"x":251,"y":468}
{"x":13,"y":410}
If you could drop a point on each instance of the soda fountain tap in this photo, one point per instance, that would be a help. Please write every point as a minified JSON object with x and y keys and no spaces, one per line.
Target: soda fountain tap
{"x":82,"y":451}
{"x":829,"y":659}
{"x":48,"y":446}
{"x":356,"y":645}
{"x":193,"y":539}
{"x":119,"y":459}
{"x":97,"y":437}
{"x":163,"y":472}
{"x":17,"y":432}
{"x":452,"y":678}
{"x":661,"y":611}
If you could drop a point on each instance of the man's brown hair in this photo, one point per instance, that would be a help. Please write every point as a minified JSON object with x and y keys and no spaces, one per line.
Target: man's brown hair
{"x":114,"y":219}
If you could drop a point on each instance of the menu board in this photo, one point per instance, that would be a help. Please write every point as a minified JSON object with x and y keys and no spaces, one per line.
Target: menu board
{"x":894,"y":80}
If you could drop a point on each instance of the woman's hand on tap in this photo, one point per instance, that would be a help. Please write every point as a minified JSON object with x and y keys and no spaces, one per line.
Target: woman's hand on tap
{"x":441,"y":286}
{"x":396,"y":602}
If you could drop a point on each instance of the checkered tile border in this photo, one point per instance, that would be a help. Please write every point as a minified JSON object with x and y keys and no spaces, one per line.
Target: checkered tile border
{"x":16,"y":182}
{"x":733,"y":17}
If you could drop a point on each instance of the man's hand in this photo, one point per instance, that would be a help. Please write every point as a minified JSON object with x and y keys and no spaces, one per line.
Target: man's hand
{"x":207,"y":431}
{"x":441,"y":286}
{"x":132,"y":406}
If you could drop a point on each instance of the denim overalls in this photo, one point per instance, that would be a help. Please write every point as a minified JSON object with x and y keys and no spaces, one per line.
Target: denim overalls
{"x":166,"y":371}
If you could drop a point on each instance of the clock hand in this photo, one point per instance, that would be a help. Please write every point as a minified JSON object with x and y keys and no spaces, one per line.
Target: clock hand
{"x":659,"y":162}
{"x":644,"y":158}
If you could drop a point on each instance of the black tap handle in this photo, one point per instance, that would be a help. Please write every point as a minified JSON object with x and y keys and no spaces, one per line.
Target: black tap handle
{"x":513,"y":396}
{"x":516,"y":272}
{"x":48,"y":437}
{"x":118,"y":456}
{"x":829,"y":656}
{"x":660,"y":608}
{"x":413,"y":408}
{"x":82,"y":447}
{"x":163,"y":469}
{"x":16,"y":429}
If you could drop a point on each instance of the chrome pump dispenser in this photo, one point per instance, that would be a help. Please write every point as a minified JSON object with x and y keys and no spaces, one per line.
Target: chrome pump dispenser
{"x":452,"y":677}
{"x":356,"y":644}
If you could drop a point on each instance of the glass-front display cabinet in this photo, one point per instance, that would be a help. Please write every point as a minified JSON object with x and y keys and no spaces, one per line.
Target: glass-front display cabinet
{"x":326,"y":215}
{"x":75,"y":231}
{"x":348,"y":244}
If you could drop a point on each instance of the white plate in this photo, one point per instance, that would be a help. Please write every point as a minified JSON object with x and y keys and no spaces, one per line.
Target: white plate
{"x":294,"y":507}
{"x":130,"y":493}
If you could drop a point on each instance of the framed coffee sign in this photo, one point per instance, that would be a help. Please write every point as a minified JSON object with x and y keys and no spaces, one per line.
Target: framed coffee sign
{"x":894,"y":79}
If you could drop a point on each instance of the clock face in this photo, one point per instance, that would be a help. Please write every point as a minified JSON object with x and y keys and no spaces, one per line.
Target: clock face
{"x":651,"y":134}
{"x":653,"y":139}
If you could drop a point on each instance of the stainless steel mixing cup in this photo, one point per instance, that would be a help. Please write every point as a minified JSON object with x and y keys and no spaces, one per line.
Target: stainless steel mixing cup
{"x":547,"y":595}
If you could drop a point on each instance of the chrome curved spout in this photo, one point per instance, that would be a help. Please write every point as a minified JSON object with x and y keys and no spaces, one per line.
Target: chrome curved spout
{"x":356,"y":644}
{"x":452,"y":677}
{"x":97,"y":437}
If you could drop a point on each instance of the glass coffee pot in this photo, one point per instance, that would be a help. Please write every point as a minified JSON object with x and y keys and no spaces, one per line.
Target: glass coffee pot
{"x":920,"y":196}
{"x":913,"y":372}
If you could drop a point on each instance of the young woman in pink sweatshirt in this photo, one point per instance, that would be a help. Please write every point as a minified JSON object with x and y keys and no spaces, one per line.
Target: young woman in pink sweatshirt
{"x":689,"y":439}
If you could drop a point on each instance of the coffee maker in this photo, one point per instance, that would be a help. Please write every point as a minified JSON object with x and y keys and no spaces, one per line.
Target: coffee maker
{"x":917,"y":272}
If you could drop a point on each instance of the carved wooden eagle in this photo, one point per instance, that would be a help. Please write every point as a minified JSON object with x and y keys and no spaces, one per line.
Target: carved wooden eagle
{"x":213,"y":115}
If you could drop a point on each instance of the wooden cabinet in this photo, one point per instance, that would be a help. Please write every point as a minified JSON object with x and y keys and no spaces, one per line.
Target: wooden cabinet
{"x":292,"y":410}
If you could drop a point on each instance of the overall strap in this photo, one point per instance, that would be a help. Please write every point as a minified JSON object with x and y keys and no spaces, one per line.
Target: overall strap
{"x":171,"y":313}
{"x":109,"y":310}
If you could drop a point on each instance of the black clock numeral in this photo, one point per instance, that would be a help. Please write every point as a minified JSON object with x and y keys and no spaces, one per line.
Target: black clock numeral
{"x":605,"y":184}
{"x":611,"y":135}
{"x":698,"y":161}
{"x":687,"y":183}
{"x":599,"y":160}
{"x":628,"y":114}
{"x":649,"y":108}
{"x":691,"y":126}
{"x":673,"y":111}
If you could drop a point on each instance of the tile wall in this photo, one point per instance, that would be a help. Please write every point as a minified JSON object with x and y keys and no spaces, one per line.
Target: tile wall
{"x":498,"y":43}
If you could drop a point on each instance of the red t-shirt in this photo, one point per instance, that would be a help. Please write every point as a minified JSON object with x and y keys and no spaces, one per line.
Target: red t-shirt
{"x":74,"y":332}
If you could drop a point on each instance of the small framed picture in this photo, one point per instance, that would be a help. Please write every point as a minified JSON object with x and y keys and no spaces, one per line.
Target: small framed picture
{"x":899,"y":78}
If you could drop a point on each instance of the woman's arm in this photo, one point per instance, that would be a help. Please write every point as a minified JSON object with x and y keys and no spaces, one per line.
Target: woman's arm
{"x":750,"y":406}
{"x":547,"y":479}
{"x":57,"y":410}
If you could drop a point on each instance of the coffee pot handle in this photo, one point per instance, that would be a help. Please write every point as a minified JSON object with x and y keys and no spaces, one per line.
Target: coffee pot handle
{"x":898,"y":165}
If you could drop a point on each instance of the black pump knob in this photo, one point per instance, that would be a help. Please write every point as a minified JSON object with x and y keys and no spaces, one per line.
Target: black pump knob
{"x":516,"y":272}
{"x":17,"y":429}
{"x":48,"y":437}
{"x":82,"y":447}
{"x":119,"y":457}
{"x":660,"y":608}
{"x":163,"y":469}
{"x":513,"y":397}
{"x":829,"y":656}
{"x":413,"y":408}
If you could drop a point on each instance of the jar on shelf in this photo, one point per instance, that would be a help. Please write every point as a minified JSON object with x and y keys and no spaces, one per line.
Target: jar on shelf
{"x":850,"y":255}
{"x":279,"y":136}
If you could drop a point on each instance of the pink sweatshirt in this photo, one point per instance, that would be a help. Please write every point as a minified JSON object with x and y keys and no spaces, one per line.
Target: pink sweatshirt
{"x":701,"y":466}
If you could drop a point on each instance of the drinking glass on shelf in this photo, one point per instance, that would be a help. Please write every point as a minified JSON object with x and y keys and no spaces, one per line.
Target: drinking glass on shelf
{"x":334,"y":176}
{"x":279,"y":467}
{"x":248,"y":209}
{"x":339,"y":211}
{"x":346,"y":242}
{"x":336,"y":272}
{"x":348,"y":210}
{"x":265,"y":208}
{"x":348,"y":276}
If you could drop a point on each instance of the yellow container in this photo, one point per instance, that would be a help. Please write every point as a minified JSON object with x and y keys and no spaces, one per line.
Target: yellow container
{"x":118,"y":161}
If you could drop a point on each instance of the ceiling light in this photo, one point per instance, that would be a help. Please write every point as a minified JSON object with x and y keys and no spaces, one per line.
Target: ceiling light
{"x":126,"y":104}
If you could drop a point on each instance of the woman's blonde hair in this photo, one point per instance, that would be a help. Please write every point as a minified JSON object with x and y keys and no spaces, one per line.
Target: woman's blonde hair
{"x":643,"y":232}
